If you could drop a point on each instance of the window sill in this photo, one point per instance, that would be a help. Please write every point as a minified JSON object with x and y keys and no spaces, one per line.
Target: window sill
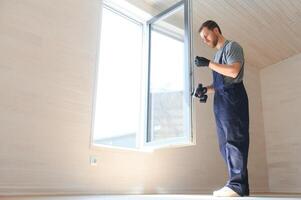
{"x":141,"y":150}
{"x":109,"y":147}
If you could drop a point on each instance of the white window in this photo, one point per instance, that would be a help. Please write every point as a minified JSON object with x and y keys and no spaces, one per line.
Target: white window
{"x":143,"y":85}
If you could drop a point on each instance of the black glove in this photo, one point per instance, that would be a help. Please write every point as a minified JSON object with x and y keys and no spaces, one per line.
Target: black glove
{"x":200,"y":92}
{"x":201,"y":61}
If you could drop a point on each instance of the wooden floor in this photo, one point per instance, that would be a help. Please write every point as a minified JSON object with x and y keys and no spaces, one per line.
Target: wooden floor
{"x":150,"y":197}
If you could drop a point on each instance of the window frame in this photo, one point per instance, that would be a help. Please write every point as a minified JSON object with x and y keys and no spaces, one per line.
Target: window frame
{"x":114,"y":8}
{"x":189,"y":136}
{"x":141,"y":136}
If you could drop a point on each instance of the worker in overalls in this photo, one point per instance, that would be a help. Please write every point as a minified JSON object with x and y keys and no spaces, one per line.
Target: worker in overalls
{"x":230,"y":106}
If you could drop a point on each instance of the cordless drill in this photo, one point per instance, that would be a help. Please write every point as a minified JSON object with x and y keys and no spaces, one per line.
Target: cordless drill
{"x":200,"y":92}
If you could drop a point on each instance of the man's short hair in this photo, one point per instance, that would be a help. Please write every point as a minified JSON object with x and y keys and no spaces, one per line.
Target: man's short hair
{"x":210,"y":24}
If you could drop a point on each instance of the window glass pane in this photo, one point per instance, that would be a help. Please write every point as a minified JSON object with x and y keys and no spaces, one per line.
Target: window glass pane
{"x":167,"y":76}
{"x":118,"y":89}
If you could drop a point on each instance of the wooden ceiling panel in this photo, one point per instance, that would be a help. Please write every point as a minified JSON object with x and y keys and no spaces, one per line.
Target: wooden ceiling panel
{"x":268,"y":30}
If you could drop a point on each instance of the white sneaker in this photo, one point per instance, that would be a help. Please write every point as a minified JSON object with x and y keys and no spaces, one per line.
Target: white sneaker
{"x":225,"y":192}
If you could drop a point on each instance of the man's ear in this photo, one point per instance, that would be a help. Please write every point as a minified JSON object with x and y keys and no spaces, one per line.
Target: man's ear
{"x":215,"y":30}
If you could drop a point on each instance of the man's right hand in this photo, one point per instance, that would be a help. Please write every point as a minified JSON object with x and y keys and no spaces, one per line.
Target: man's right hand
{"x":200,"y":92}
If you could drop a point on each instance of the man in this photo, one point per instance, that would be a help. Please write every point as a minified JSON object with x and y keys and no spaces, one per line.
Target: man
{"x":230,"y":106}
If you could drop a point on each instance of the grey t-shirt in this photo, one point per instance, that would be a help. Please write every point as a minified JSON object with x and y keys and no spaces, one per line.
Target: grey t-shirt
{"x":233,"y":52}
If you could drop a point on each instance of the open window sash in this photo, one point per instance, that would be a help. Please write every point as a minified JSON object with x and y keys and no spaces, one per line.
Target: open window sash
{"x":169,"y":103}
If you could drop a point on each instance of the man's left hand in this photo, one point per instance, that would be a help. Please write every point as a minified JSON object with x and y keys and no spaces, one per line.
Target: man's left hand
{"x":201,"y":61}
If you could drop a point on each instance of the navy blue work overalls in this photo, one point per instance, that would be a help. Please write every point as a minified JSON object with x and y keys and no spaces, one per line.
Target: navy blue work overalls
{"x":231,"y":112}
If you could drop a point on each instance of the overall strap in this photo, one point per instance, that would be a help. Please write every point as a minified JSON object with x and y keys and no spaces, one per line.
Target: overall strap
{"x":218,"y":79}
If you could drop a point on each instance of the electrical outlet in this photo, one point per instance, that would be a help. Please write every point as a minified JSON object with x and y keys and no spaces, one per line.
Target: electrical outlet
{"x":93,"y":161}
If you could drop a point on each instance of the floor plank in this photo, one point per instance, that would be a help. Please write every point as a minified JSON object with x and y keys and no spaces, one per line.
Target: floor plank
{"x":151,"y":197}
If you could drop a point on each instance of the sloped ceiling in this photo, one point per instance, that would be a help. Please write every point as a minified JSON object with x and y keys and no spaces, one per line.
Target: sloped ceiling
{"x":268,"y":30}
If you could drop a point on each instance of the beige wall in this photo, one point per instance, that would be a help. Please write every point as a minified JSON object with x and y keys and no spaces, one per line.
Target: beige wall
{"x":281,"y":89}
{"x":47,"y":63}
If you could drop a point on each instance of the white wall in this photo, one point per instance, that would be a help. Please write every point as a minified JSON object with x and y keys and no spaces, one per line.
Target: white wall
{"x":257,"y":153}
{"x":281,"y":96}
{"x":47,"y":63}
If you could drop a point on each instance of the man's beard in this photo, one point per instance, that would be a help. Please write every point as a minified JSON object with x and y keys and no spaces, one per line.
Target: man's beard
{"x":214,"y":42}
